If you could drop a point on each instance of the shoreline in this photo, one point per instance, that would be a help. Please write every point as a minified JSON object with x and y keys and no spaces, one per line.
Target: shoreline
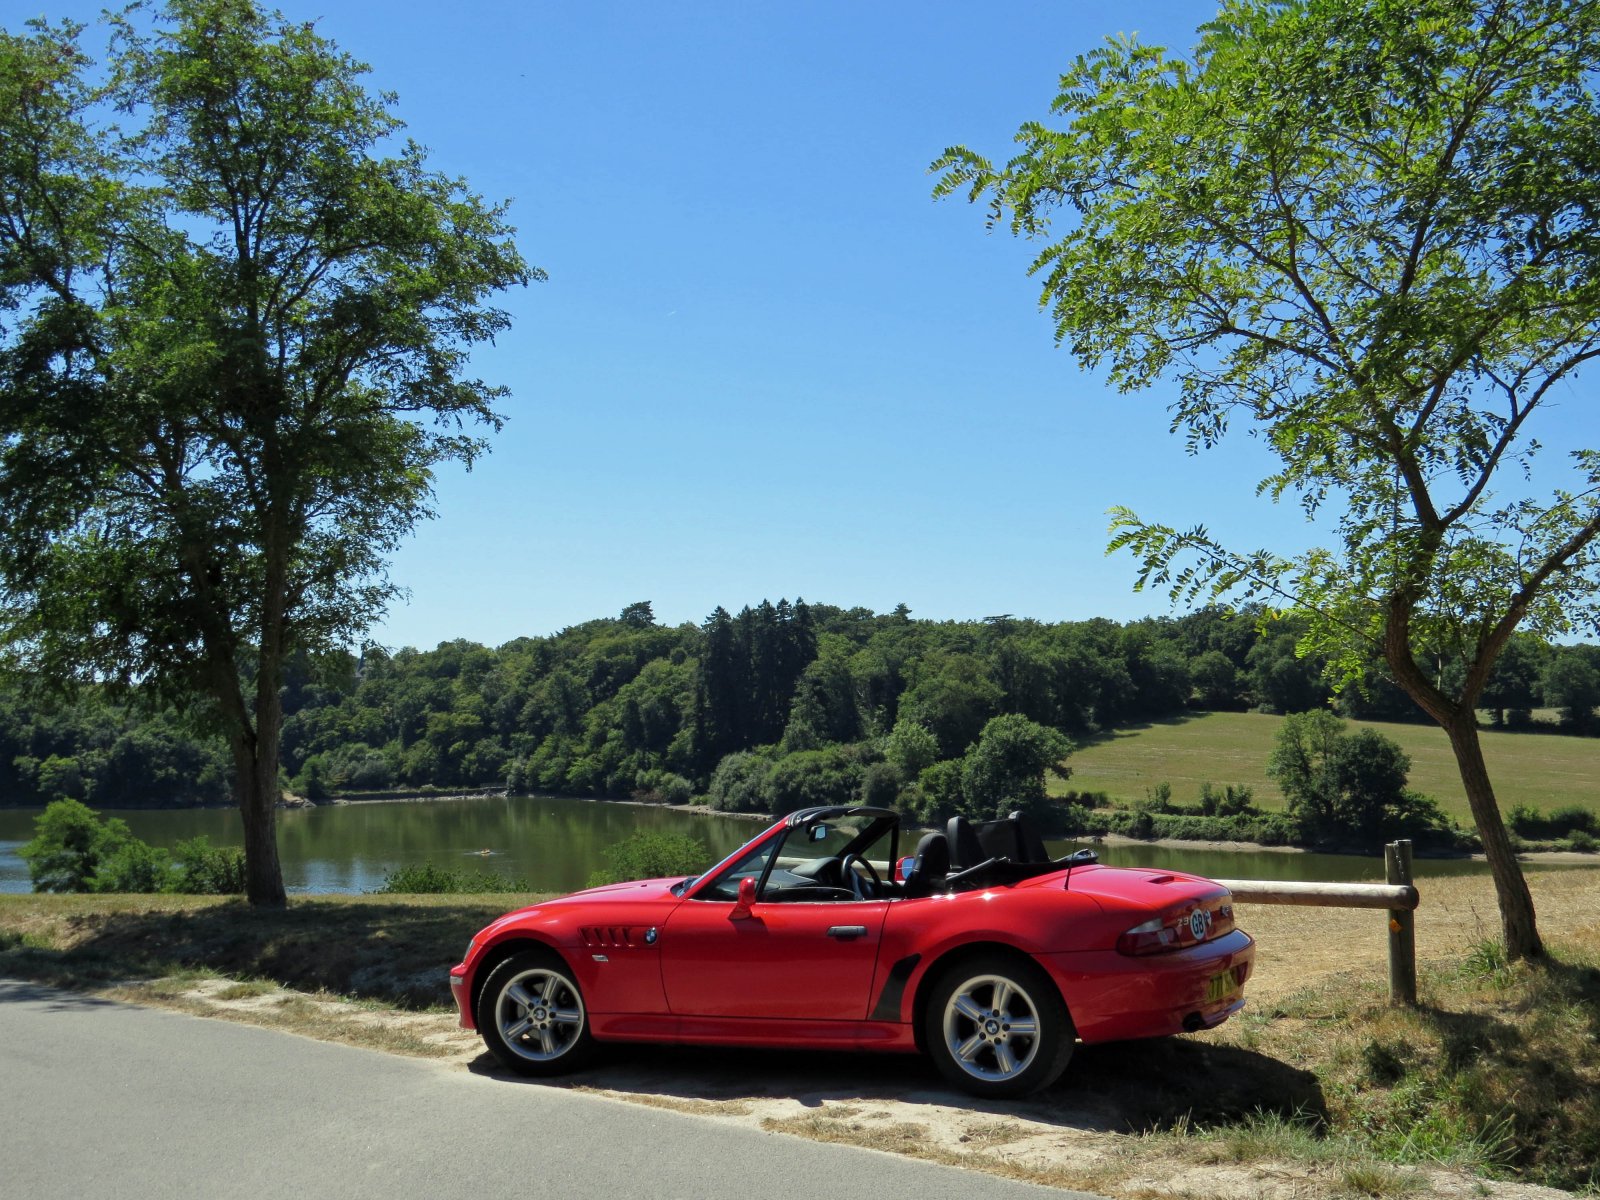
{"x":1558,"y":857}
{"x":292,"y":802}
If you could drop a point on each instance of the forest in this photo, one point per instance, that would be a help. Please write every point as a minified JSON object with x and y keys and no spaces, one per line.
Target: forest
{"x":767,"y":709}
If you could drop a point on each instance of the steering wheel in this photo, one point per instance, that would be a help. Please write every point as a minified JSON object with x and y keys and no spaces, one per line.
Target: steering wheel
{"x":853,"y":879}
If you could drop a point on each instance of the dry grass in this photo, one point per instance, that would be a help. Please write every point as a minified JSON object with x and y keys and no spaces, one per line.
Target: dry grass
{"x":1545,"y":770}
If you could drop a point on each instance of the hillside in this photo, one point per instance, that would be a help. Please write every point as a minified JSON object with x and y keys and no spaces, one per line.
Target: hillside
{"x":1544,"y":770}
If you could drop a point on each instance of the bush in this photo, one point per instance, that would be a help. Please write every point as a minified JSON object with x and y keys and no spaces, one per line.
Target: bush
{"x":810,"y":778}
{"x":426,"y":879}
{"x":880,"y":785}
{"x":1575,"y":817}
{"x":1230,"y":801}
{"x":312,"y":781}
{"x":1535,"y":826}
{"x":648,"y":855}
{"x":674,"y":788}
{"x":207,"y":870}
{"x":739,"y":784}
{"x":938,"y":794}
{"x":1269,"y":829}
{"x":69,"y":843}
{"x":1582,"y":841}
{"x":134,"y":866}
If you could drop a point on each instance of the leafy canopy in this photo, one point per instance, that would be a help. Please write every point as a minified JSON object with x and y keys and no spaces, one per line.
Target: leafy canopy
{"x":235,"y":313}
{"x":1368,"y":229}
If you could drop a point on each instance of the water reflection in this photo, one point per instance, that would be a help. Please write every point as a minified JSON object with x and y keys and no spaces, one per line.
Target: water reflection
{"x":557,"y":843}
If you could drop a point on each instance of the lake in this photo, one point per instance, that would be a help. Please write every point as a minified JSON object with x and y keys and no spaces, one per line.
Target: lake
{"x":557,"y":843}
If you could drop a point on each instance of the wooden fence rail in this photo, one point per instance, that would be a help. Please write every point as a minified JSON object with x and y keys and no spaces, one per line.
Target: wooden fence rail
{"x":1398,"y":896}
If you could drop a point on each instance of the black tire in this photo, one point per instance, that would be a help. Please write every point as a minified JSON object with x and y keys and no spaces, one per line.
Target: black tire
{"x":980,"y":1045}
{"x":532,"y":1015}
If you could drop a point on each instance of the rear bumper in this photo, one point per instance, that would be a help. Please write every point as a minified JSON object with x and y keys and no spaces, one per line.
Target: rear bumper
{"x":1113,"y":996}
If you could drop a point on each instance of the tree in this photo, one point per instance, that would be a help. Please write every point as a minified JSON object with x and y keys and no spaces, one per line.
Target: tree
{"x":1340,"y":786}
{"x":235,"y":339}
{"x":1216,"y":680}
{"x":69,"y":844}
{"x":1005,"y":769}
{"x":1571,"y":683}
{"x":1512,"y":689}
{"x":1368,"y":230}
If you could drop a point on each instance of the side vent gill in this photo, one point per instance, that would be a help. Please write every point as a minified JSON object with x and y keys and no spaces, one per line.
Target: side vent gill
{"x":610,"y":936}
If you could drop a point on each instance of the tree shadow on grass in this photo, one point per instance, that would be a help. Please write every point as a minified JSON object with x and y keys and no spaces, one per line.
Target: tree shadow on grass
{"x":1081,"y":741}
{"x":394,"y":953}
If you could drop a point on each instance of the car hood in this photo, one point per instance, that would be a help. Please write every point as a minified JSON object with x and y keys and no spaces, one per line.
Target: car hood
{"x":612,"y":893}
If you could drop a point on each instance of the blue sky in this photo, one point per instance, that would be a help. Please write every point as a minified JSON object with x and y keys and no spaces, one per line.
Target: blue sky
{"x":766,"y":363}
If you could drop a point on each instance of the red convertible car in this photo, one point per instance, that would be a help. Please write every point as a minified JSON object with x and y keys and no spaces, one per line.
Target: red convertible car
{"x":978,"y":949}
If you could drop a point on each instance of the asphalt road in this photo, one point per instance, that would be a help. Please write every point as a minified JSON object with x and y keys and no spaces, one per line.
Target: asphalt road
{"x":111,"y":1100}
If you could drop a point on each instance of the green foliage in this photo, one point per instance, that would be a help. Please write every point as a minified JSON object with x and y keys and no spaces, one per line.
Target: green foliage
{"x":1577,"y":825}
{"x":312,"y":781}
{"x":953,"y":697}
{"x":814,"y":777}
{"x":937,"y":796}
{"x":652,"y":856}
{"x":428,"y":879}
{"x":134,"y":866}
{"x":911,"y":747}
{"x":880,"y":785}
{"x":1349,"y":787}
{"x":663,"y":787}
{"x":1571,"y":682}
{"x":1007,"y":766}
{"x":1266,"y":828}
{"x":1232,"y":800}
{"x":70,"y":843}
{"x":207,"y":870}
{"x":93,"y":750}
{"x":739,"y":784}
{"x":74,"y":849}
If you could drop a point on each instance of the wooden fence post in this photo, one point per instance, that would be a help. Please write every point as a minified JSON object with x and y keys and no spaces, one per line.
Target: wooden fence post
{"x":1402,"y":928}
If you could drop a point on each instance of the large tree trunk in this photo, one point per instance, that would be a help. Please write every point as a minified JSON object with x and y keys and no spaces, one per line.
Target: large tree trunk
{"x":1511,"y":889}
{"x":263,"y":873}
{"x":255,"y":760}
{"x":1458,"y":717}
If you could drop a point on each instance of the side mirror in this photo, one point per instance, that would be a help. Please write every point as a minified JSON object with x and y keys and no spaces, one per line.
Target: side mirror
{"x":745,"y":902}
{"x":902,"y":870}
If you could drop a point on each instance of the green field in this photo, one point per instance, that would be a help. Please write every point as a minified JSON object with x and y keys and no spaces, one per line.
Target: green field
{"x":1542,"y":769}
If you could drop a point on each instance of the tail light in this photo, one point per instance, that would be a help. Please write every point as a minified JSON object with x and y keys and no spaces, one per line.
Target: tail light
{"x":1180,"y":928}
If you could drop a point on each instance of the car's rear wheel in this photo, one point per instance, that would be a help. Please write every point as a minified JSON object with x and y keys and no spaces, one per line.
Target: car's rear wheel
{"x":996,"y":1026}
{"x":532,"y":1016}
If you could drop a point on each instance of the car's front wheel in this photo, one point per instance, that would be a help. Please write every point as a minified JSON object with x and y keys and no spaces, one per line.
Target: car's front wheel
{"x":996,"y":1026}
{"x":532,"y":1017}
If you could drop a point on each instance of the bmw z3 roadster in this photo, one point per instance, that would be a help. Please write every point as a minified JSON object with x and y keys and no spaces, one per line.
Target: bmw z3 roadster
{"x":977,"y":949}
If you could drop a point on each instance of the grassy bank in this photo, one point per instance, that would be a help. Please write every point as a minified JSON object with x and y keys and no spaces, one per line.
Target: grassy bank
{"x":1544,"y":770}
{"x":1321,"y":1087}
{"x":387,"y":950}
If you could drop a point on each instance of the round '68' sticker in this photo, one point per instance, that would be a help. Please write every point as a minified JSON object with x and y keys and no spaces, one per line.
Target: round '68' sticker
{"x":1200,"y":924}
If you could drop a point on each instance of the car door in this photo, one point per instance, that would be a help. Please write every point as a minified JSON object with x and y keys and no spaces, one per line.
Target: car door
{"x":800,"y":960}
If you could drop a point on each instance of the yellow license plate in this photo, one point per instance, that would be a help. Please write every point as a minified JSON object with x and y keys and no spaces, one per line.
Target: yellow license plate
{"x":1219,"y":986}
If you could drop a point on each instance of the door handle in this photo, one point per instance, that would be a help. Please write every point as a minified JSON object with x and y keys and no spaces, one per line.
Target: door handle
{"x":846,"y":932}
